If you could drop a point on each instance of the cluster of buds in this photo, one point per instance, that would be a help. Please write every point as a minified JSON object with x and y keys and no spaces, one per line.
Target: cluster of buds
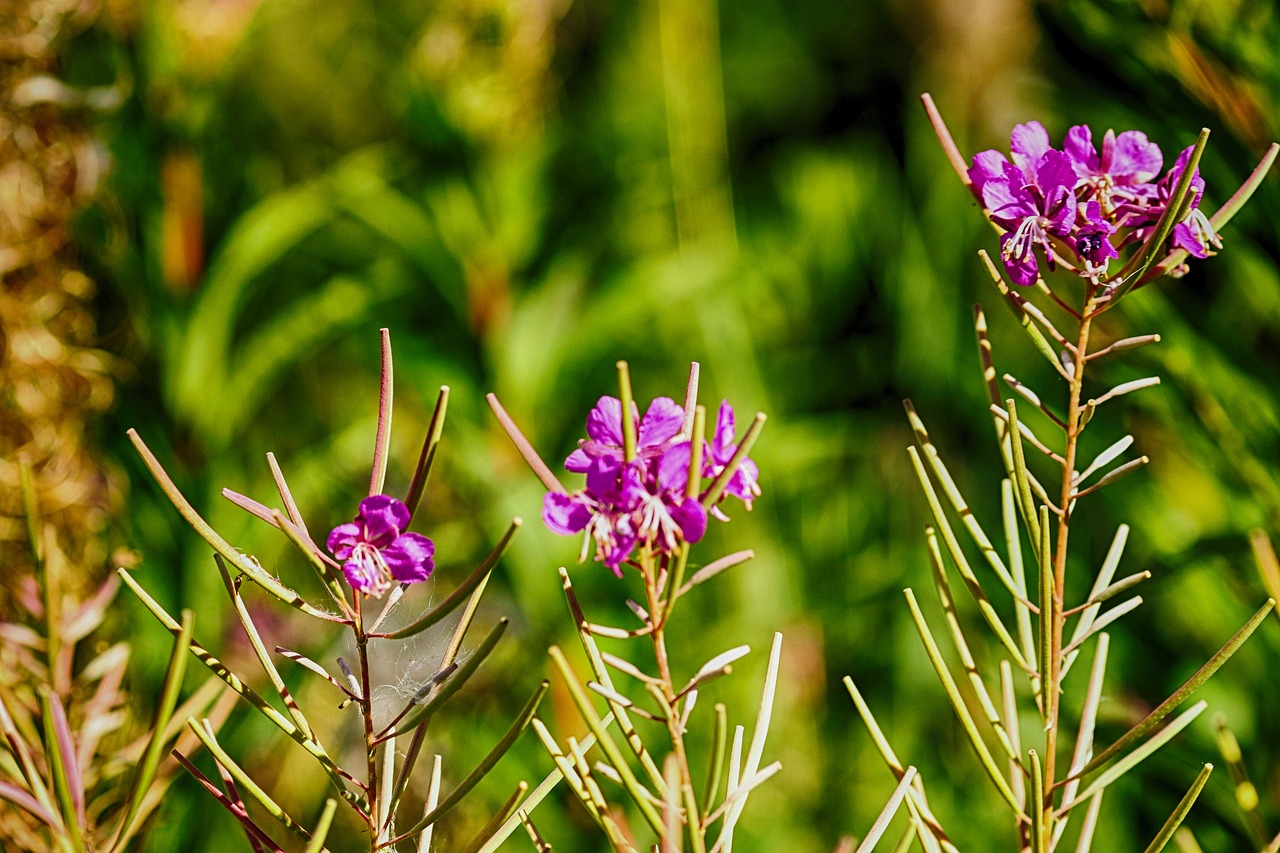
{"x":652,"y":495}
{"x":1084,"y":201}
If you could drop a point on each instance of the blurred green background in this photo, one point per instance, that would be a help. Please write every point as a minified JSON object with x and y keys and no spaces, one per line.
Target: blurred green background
{"x":525,"y":191}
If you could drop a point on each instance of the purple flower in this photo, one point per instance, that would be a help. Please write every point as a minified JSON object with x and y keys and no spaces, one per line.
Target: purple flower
{"x":374,"y":550}
{"x":1193,"y":233}
{"x":1121,"y":173}
{"x":716,"y":454}
{"x":662,"y":421}
{"x":622,"y":508}
{"x":628,"y":504}
{"x":1030,"y":199}
{"x":1092,"y":241}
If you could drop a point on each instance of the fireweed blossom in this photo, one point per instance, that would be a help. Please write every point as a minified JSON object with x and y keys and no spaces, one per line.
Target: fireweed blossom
{"x":1090,"y":201}
{"x":1032,"y":198}
{"x":644,"y":502}
{"x":374,"y":551}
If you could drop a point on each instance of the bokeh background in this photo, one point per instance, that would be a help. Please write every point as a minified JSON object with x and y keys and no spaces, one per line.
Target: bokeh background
{"x":525,"y":191}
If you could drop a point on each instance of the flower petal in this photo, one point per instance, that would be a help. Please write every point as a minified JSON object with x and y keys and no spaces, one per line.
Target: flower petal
{"x":604,"y":422}
{"x":987,"y":165}
{"x":1022,"y":270}
{"x":1135,"y":159}
{"x":1029,"y":142}
{"x":1078,"y":146}
{"x":673,"y":468}
{"x":722,"y":444}
{"x":363,"y":575}
{"x":578,"y":462}
{"x":383,"y":518}
{"x":410,"y":558}
{"x":691,"y":518}
{"x":662,"y":421}
{"x":566,"y":514}
{"x":343,"y":538}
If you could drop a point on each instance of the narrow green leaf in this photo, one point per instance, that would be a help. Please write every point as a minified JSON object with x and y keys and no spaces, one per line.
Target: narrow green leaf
{"x":1137,"y":756}
{"x":415,"y":714}
{"x":382,"y":441}
{"x":1179,"y":814}
{"x":1013,"y":547}
{"x":1023,"y":493}
{"x":1190,"y":686}
{"x":972,"y":584}
{"x":886,"y":814}
{"x":962,"y":648}
{"x":921,"y":815}
{"x":717,"y":487}
{"x":146,"y":768}
{"x":229,"y":678}
{"x":958,"y":705}
{"x":505,"y":811}
{"x":719,"y":738}
{"x":428,"y":455}
{"x":1137,"y":267}
{"x":244,"y":780}
{"x":1085,"y":843}
{"x":628,"y":419}
{"x":208,"y":534}
{"x":482,"y":769}
{"x":1039,"y":831}
{"x":1017,"y":305}
{"x":321,"y":831}
{"x":587,"y":710}
{"x":957,"y":500}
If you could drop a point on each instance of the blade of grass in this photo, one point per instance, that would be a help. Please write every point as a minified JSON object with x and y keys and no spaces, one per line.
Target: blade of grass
{"x":505,"y":811}
{"x":321,"y":831}
{"x":68,"y":783}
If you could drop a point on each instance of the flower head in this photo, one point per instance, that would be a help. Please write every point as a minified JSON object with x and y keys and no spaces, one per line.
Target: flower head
{"x":374,"y":550}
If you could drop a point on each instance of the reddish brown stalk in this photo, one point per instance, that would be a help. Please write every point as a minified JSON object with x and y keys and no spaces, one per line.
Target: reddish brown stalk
{"x":1074,"y":411}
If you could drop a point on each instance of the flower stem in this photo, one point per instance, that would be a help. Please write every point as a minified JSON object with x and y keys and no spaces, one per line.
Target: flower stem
{"x":693,"y":817}
{"x":1074,"y":427}
{"x":370,"y":739}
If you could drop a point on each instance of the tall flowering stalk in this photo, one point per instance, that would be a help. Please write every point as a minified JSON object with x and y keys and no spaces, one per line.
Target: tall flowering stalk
{"x":1107,"y":220}
{"x":652,"y":485}
{"x":373,"y":556}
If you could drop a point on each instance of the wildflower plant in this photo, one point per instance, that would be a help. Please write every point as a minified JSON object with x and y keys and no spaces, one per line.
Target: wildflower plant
{"x":652,"y":486}
{"x":1104,"y":220}
{"x":366,"y":569}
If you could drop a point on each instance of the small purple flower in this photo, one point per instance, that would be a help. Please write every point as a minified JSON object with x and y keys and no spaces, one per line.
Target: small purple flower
{"x":1030,"y":206}
{"x":1092,"y":241}
{"x":1193,"y":233}
{"x":662,"y":421}
{"x":374,"y":550}
{"x":624,"y":505}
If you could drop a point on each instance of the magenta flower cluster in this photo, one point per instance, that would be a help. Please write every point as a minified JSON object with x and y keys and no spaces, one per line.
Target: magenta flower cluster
{"x":1081,"y":200}
{"x":375,"y":550}
{"x":644,"y":502}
